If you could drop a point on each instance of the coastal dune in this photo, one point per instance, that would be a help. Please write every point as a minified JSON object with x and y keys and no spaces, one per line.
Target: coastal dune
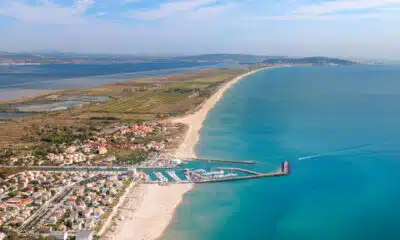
{"x":155,"y":209}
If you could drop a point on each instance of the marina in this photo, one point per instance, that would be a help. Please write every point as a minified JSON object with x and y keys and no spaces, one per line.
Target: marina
{"x":174,"y":176}
{"x":169,"y":174}
{"x":161,"y":177}
{"x":219,"y":175}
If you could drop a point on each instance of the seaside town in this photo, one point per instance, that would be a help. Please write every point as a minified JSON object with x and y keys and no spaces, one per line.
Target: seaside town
{"x":141,"y":141}
{"x":65,"y":204}
{"x":59,"y":204}
{"x":77,"y":183}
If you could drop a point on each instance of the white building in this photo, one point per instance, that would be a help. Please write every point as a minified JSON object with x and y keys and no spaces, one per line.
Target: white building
{"x":70,"y":149}
{"x":109,"y":159}
{"x":102,"y":150}
{"x":2,"y":236}
{"x":176,"y":161}
{"x":84,"y":235}
{"x":60,"y":235}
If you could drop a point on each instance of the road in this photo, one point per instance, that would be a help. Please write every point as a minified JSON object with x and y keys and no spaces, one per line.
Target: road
{"x":44,"y":210}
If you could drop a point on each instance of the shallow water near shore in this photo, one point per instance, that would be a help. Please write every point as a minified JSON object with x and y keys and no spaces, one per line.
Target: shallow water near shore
{"x":341,"y":121}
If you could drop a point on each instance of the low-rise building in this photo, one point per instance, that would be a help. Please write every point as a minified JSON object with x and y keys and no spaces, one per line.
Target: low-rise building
{"x":59,"y":235}
{"x":84,"y":235}
{"x":102,"y":150}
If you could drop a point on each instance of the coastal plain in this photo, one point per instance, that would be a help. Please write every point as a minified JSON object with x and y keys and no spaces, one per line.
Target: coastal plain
{"x":185,"y":99}
{"x":144,"y":99}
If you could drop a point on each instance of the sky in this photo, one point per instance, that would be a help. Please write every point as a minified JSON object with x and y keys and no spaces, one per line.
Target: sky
{"x":341,"y":28}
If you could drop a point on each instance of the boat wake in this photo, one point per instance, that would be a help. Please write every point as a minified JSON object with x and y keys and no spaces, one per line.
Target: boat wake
{"x":335,"y":152}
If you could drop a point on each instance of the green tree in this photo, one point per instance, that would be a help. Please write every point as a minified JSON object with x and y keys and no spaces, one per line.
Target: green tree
{"x":12,"y":194}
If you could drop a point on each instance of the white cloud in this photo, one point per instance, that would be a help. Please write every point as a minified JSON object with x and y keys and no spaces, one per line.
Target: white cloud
{"x":346,"y":5}
{"x":170,"y":9}
{"x":47,"y":12}
{"x":324,"y":17}
{"x":337,"y":10}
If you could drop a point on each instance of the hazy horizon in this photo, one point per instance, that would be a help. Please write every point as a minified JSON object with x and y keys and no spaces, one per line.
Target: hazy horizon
{"x":353,"y":29}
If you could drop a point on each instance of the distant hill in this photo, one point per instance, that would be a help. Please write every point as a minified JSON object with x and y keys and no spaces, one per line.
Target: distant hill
{"x":63,"y":57}
{"x":251,"y":59}
{"x":227,"y":57}
{"x":310,"y":60}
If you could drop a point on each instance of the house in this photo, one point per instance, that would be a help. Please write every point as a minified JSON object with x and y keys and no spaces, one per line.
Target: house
{"x":52,"y":220}
{"x":84,"y":235}
{"x":113,"y":191}
{"x":102,"y":150}
{"x":59,"y":235}
{"x":74,"y":215}
{"x":45,"y":229}
{"x":98,"y":212}
{"x":81,"y":208}
{"x":86,"y":150}
{"x":95,"y":203}
{"x":86,"y":213}
{"x":70,"y":149}
{"x":107,"y":201}
{"x":88,"y":198}
{"x":70,"y":203}
{"x":13,"y":200}
{"x":19,"y":219}
{"x":38,"y":202}
{"x":109,"y":159}
{"x":90,"y":224}
{"x":109,"y":183}
{"x":77,"y":226}
{"x":62,"y":227}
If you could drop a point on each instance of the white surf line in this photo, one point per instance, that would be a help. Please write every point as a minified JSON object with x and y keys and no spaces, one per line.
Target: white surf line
{"x":335,"y":152}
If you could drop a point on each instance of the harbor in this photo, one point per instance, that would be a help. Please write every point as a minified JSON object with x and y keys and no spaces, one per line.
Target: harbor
{"x":221,"y":174}
{"x":175,"y":171}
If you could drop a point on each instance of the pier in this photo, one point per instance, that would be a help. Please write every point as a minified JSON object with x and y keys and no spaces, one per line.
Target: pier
{"x":220,"y":160}
{"x":277,"y":174}
{"x":240,"y":170}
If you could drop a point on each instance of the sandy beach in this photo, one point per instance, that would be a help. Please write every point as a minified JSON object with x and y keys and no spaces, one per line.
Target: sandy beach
{"x":150,"y":208}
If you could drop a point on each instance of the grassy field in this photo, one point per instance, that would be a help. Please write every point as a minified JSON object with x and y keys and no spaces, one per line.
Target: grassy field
{"x":133,"y":100}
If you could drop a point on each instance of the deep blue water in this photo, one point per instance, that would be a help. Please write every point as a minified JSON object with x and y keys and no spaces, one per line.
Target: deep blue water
{"x":353,"y":192}
{"x":59,"y":76}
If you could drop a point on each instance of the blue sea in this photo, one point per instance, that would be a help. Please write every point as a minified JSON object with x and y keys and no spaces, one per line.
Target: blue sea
{"x":343,"y":123}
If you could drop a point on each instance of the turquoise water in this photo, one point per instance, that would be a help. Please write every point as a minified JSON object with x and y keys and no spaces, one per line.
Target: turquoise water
{"x":352,"y":192}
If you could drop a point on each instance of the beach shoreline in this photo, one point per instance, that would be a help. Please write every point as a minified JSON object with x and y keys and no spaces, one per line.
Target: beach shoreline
{"x":157,"y":205}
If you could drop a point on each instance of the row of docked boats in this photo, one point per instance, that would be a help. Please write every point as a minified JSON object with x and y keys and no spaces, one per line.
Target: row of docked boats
{"x":190,"y":175}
